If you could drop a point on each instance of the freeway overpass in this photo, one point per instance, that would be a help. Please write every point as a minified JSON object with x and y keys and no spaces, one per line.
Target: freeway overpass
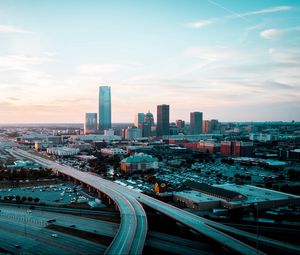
{"x":133,"y":216}
{"x":132,"y":232}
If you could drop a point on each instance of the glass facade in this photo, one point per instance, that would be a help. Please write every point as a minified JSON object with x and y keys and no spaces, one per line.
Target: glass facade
{"x":104,"y":108}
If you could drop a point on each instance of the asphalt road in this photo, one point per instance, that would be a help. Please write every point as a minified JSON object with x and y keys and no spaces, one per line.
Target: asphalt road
{"x":131,"y":235}
{"x":208,"y":228}
{"x":33,"y":238}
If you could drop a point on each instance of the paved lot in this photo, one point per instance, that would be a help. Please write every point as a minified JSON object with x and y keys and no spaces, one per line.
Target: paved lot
{"x":53,"y":194}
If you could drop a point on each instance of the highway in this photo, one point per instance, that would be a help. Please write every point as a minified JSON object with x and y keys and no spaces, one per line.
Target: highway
{"x":213,"y":230}
{"x":66,"y":220}
{"x":33,"y":238}
{"x":133,"y":229}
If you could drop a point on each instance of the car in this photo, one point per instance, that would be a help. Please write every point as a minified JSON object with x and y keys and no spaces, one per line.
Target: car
{"x":18,"y":246}
{"x":72,"y":226}
{"x":54,"y":235}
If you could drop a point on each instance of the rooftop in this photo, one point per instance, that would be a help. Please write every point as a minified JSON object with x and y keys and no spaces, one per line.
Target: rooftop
{"x":256,"y":194}
{"x":218,"y":191}
{"x":139,"y":157}
{"x":196,"y":196}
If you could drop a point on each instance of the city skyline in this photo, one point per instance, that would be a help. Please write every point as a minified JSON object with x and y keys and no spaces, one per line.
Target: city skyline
{"x":232,"y":61}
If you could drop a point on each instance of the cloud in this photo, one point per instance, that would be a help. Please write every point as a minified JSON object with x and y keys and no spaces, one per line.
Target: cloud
{"x":234,"y":15}
{"x":205,"y":53}
{"x":273,"y":33}
{"x":289,"y":56}
{"x":13,"y":29}
{"x":200,"y":23}
{"x":20,"y":62}
{"x":91,"y":69}
{"x":269,"y":10}
{"x":278,"y":85}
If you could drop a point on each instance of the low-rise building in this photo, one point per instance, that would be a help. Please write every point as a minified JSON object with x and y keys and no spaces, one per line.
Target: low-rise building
{"x":62,"y":151}
{"x":113,"y":151}
{"x":196,"y":200}
{"x":27,"y":164}
{"x":208,"y":146}
{"x":236,"y":148}
{"x":139,"y":162}
{"x":80,"y":146}
{"x":41,"y":146}
{"x":230,"y":196}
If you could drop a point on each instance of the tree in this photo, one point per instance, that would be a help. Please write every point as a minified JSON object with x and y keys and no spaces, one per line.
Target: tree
{"x":29,"y":199}
{"x":150,"y":179}
{"x":36,"y":200}
{"x":24,"y":199}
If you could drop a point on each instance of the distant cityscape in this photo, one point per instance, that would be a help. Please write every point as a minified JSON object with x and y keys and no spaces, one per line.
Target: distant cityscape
{"x":236,"y":174}
{"x":150,"y":127}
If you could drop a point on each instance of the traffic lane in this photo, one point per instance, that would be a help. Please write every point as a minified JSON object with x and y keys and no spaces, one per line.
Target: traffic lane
{"x":193,"y":221}
{"x":213,"y":233}
{"x":142,"y":228}
{"x":80,"y":223}
{"x":123,"y":240}
{"x":67,"y":244}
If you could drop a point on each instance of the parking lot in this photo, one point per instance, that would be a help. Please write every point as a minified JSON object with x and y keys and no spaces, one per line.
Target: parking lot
{"x":52,"y":194}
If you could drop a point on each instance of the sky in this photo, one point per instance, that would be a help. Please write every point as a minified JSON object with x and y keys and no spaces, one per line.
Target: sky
{"x":233,"y":60}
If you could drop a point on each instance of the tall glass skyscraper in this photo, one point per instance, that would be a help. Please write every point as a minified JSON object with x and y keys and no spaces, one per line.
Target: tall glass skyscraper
{"x":104,"y":108}
{"x":196,"y":123}
{"x":163,"y":120}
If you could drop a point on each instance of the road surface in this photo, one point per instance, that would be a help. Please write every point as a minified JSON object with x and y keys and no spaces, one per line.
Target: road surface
{"x":213,"y":230}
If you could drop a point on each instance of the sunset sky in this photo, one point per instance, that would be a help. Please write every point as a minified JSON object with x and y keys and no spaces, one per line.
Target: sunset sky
{"x":233,"y":60}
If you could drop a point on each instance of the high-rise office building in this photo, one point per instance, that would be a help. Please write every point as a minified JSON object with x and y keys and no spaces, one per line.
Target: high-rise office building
{"x":163,"y":120}
{"x":215,"y":126}
{"x":104,"y":108}
{"x":206,"y":128}
{"x":139,"y":120}
{"x":90,"y":123}
{"x":196,"y":123}
{"x":180,"y":123}
{"x":148,"y":123}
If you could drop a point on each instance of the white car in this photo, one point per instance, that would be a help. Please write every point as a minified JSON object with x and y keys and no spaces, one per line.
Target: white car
{"x":54,"y":235}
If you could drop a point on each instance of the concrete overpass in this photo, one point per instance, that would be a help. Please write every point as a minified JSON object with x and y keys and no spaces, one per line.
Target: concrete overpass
{"x":132,"y":232}
{"x":127,"y":203}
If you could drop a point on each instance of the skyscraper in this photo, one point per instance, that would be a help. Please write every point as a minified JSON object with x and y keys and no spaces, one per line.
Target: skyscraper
{"x":180,"y":123}
{"x":90,"y":123}
{"x":104,"y":108}
{"x":196,"y":123}
{"x":148,"y":123}
{"x":163,"y":120}
{"x":139,"y":120}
